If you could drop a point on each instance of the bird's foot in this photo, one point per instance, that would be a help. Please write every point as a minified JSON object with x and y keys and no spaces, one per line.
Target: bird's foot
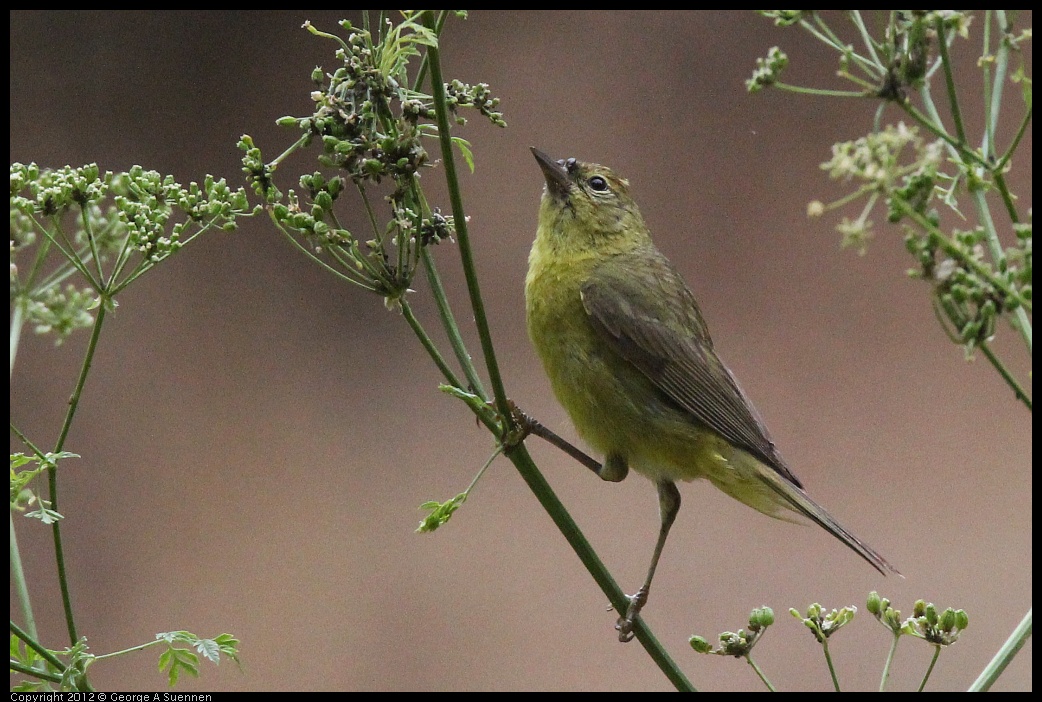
{"x":624,"y":624}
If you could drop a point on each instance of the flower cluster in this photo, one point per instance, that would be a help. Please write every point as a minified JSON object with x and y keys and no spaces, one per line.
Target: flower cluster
{"x":371,"y":126}
{"x":460,"y":94}
{"x":107,"y":228}
{"x":823,"y":625}
{"x":767,"y":70}
{"x":737,"y":643}
{"x":939,"y":629}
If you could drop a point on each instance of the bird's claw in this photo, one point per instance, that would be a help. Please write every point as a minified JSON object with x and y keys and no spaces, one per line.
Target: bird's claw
{"x":624,"y":624}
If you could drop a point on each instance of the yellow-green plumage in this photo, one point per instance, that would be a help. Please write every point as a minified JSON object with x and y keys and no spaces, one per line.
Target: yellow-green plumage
{"x":631,"y":360}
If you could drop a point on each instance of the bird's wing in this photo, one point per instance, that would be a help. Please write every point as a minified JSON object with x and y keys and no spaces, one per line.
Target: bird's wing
{"x":647,"y":314}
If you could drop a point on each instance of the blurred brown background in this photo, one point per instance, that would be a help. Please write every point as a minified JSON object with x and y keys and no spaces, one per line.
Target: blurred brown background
{"x":256,"y":437}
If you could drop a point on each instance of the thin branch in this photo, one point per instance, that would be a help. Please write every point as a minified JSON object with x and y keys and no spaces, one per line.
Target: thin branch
{"x":1020,"y":393}
{"x":449,"y":322}
{"x":1005,"y":655}
{"x":949,"y":80}
{"x":32,"y":643}
{"x":460,"y":220}
{"x":52,"y":472}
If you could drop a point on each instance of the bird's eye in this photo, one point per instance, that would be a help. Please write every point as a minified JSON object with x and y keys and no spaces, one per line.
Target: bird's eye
{"x":597,"y":183}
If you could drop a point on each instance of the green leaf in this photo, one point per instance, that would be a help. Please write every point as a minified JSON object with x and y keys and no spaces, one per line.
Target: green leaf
{"x":441,"y":512}
{"x":183,"y":636}
{"x":229,"y":646}
{"x":45,"y":515}
{"x":22,"y":653}
{"x":210,"y":649}
{"x":465,"y":151}
{"x":30,"y":686}
{"x":175,"y":660}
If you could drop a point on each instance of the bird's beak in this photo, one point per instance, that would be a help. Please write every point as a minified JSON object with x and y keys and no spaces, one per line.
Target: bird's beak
{"x":557,"y":181}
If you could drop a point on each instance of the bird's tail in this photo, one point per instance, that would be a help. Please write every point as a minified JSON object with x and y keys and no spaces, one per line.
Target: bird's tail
{"x":799,"y":501}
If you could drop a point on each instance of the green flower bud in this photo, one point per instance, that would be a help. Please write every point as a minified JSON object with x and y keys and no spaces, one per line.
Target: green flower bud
{"x":761,"y":617}
{"x":699,"y":644}
{"x":323,"y":200}
{"x":931,"y":615}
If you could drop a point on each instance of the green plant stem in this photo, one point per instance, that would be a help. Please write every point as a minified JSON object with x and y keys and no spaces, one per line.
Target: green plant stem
{"x":992,"y":96}
{"x":1020,"y":315}
{"x":756,"y":668}
{"x":829,"y":38}
{"x":998,"y":256}
{"x":114,"y":287}
{"x":433,"y":278}
{"x":428,"y":344}
{"x":52,"y":472}
{"x":933,"y":662}
{"x":999,"y":83}
{"x":42,"y":675}
{"x":855,"y":16}
{"x":85,"y":221}
{"x":889,"y":660}
{"x":481,"y":409}
{"x":519,"y":456}
{"x":449,"y":322}
{"x":828,"y":659}
{"x":463,"y":237}
{"x":1009,"y":649}
{"x":935,"y":125}
{"x":495,"y":454}
{"x":17,"y":320}
{"x":310,"y":254}
{"x":824,"y":92}
{"x":35,"y":270}
{"x":421,"y":72}
{"x":32,"y":643}
{"x":477,"y":404}
{"x":1018,"y":390}
{"x":21,"y":586}
{"x":922,"y":120}
{"x":1021,"y":321}
{"x":949,"y":81}
{"x":132,"y":649}
{"x":517,"y":453}
{"x":369,"y":210}
{"x":70,"y":254}
{"x":304,"y":139}
{"x":961,"y":152}
{"x":946,"y":245}
{"x":1021,"y":130}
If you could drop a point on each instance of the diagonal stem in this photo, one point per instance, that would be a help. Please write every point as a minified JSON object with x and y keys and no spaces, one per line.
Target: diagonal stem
{"x":462,"y":235}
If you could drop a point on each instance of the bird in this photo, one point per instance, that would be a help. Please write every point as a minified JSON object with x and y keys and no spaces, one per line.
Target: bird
{"x":630,"y":358}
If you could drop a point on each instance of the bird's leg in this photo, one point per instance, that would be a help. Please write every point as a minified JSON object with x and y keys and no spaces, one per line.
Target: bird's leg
{"x":668,"y":505}
{"x":614,"y":468}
